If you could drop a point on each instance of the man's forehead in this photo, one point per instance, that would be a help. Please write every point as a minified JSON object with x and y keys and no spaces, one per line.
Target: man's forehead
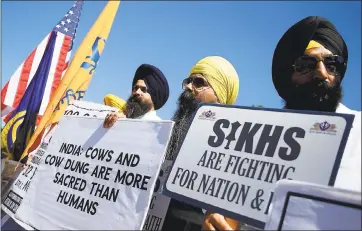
{"x":140,"y":83}
{"x":196,"y":75}
{"x":318,"y":52}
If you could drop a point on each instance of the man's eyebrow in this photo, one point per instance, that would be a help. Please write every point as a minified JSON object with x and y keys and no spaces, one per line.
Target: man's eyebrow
{"x":140,"y":86}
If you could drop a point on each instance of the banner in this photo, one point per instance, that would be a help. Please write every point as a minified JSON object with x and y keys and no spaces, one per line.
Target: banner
{"x":303,"y":206}
{"x":20,"y":181}
{"x":231,"y":167}
{"x":95,"y":178}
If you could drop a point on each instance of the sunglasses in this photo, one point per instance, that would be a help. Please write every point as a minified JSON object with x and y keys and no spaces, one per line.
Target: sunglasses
{"x":334,"y":64}
{"x":143,"y":89}
{"x":197,"y":82}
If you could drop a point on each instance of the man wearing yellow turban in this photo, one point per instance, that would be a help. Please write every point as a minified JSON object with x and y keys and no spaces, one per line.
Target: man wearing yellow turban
{"x":211,"y":80}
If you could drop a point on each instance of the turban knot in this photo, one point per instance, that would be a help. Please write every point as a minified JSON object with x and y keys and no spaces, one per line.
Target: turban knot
{"x":156,"y":83}
{"x":295,"y":41}
{"x":221,"y":76}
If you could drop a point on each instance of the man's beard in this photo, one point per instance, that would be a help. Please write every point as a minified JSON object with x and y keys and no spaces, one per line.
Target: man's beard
{"x":187,"y":105}
{"x":315,"y":96}
{"x":136,"y":108}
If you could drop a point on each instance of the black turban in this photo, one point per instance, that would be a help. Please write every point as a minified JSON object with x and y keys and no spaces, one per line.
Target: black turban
{"x":293,"y":44}
{"x":156,"y":83}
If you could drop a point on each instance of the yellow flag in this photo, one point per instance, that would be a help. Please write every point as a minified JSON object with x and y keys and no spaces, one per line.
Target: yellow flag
{"x":79,"y":74}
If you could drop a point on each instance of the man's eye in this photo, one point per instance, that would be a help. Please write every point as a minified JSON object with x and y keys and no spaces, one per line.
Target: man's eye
{"x":332,"y":68}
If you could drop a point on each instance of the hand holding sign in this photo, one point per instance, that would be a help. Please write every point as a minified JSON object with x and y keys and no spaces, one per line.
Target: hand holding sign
{"x":216,"y":221}
{"x":111,"y":118}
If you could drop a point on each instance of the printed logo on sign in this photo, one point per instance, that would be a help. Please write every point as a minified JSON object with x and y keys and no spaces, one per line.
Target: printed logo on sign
{"x":207,"y":115}
{"x":324,"y":128}
{"x":12,"y":201}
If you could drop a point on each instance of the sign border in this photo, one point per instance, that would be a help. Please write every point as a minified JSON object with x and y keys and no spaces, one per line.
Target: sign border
{"x":291,"y":194}
{"x":250,"y":221}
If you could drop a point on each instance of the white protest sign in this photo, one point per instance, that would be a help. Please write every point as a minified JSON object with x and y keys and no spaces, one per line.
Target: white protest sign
{"x":96,"y":178}
{"x":303,"y":206}
{"x":85,"y":108}
{"x":232,"y":157}
{"x":159,"y":203}
{"x":13,"y":196}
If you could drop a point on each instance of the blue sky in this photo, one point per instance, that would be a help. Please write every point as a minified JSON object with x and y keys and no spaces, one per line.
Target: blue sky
{"x":175,"y":35}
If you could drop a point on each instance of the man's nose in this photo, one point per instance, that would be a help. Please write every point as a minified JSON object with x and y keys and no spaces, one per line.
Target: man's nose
{"x":189,"y":86}
{"x":321,"y":71}
{"x":138,"y":92}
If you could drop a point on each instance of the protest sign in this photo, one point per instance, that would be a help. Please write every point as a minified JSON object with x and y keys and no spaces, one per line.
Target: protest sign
{"x":303,"y":206}
{"x":18,"y":188}
{"x":159,"y":203}
{"x":96,"y":178}
{"x":232,"y":157}
{"x":84,"y":108}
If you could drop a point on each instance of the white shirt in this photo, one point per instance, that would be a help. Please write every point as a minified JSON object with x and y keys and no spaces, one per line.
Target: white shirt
{"x":151,"y":115}
{"x":349,"y":173}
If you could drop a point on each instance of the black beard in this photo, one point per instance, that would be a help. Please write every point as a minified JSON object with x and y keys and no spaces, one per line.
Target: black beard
{"x":135,"y":108}
{"x":187,"y":105}
{"x":315,"y":96}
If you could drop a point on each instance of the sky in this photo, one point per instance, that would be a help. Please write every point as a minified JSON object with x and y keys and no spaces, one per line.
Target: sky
{"x":174,"y":35}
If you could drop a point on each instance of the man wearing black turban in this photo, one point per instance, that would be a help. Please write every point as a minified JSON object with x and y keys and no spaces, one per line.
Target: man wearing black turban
{"x":150,"y":91}
{"x":309,"y":64}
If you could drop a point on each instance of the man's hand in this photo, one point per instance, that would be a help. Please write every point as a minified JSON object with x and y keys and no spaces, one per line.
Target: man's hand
{"x":216,"y":221}
{"x":111,"y":118}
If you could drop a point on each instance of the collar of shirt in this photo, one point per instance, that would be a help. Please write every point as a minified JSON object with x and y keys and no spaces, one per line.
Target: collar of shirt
{"x":151,"y":115}
{"x":349,"y":173}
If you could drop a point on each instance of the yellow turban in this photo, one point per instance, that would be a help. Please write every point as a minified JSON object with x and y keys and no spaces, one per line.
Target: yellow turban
{"x":115,"y":101}
{"x":313,"y":44}
{"x":222,"y":77}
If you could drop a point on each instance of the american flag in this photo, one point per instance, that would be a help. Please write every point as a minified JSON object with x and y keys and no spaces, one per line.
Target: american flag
{"x":14,"y":89}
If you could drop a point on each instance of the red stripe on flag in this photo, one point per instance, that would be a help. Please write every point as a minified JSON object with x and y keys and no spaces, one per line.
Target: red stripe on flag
{"x":23,"y":80}
{"x":61,"y":64}
{"x":3,"y":95}
{"x":24,"y":76}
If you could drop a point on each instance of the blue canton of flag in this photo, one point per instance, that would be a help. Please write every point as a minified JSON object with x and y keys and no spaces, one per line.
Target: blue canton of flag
{"x":68,"y":24}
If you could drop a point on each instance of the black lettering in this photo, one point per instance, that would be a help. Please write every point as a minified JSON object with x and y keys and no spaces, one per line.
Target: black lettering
{"x":177,"y":175}
{"x":246,"y":137}
{"x":292,"y":143}
{"x":129,"y":160}
{"x":63,"y":148}
{"x":129,"y":178}
{"x":285,"y":176}
{"x":212,"y":157}
{"x":231,"y":136}
{"x":192,"y":180}
{"x":271,"y":140}
{"x":203,"y":159}
{"x":216,"y":141}
{"x":229,"y":163}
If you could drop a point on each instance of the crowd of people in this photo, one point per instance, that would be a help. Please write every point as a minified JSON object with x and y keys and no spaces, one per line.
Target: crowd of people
{"x":308,"y":68}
